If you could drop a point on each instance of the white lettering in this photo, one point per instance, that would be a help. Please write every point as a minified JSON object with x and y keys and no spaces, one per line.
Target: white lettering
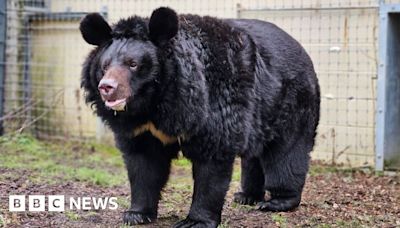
{"x":16,"y":203}
{"x":113,"y":203}
{"x":56,"y":203}
{"x":86,"y":203}
{"x":37,"y":203}
{"x":74,"y":203}
{"x":100,"y":203}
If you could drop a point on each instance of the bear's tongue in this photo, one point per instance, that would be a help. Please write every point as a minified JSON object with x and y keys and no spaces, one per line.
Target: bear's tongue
{"x":117,"y":105}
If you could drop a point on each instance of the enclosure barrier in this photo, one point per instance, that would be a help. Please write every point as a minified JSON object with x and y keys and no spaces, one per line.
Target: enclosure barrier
{"x":43,"y":52}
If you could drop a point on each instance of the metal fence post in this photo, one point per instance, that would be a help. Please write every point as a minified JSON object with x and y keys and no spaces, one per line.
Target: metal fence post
{"x":3,"y":30}
{"x":388,"y":99}
{"x":381,"y":96}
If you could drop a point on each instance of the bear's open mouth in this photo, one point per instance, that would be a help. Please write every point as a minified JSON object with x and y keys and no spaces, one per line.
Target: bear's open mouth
{"x":117,"y":105}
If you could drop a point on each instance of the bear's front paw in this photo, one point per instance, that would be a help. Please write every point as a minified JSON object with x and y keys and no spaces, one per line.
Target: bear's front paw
{"x":244,"y":199}
{"x":188,"y":222}
{"x":279,"y":204}
{"x":134,"y":218}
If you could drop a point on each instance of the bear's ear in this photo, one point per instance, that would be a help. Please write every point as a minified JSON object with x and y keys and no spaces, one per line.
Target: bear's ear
{"x":163,"y":25}
{"x":95,"y":30}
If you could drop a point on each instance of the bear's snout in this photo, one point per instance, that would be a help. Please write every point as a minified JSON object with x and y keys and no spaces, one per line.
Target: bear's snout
{"x":114,"y":88}
{"x":107,"y":87}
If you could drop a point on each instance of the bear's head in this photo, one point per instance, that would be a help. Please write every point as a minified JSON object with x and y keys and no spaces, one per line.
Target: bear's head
{"x":123,"y":71}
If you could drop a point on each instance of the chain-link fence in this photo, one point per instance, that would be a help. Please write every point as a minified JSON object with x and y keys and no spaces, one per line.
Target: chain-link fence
{"x":44,"y":53}
{"x":341,"y":39}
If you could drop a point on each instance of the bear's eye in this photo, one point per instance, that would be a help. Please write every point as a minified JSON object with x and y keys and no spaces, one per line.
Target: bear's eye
{"x":132,"y":65}
{"x":104,"y":68}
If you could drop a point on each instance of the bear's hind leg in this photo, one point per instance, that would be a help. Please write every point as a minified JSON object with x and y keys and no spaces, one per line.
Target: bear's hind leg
{"x":252,"y":182}
{"x":285,"y":170}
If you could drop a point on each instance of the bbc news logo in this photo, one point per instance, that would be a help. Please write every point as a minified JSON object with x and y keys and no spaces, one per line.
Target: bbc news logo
{"x":17,"y":203}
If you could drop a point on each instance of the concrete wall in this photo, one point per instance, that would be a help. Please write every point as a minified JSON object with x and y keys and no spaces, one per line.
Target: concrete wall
{"x":56,"y":62}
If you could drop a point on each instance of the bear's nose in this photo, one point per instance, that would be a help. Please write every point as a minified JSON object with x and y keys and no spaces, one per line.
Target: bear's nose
{"x":107,"y":87}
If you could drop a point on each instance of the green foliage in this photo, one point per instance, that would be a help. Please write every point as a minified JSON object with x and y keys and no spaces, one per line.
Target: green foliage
{"x":182,"y":162}
{"x":279,"y":219}
{"x":2,"y":223}
{"x":71,"y":215}
{"x":125,"y":226}
{"x":123,"y":202}
{"x":324,"y":225}
{"x":244,"y":208}
{"x":224,"y":224}
{"x":351,"y":224}
{"x":93,"y":163}
{"x":236,"y":174}
{"x":98,"y":177}
{"x":320,"y":169}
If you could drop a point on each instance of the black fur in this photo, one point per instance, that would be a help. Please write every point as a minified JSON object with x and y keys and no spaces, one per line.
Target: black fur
{"x":163,"y":25}
{"x":95,"y":29}
{"x":226,"y":88}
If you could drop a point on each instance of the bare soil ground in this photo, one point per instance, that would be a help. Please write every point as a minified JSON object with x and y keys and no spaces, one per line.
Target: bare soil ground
{"x":332,"y":197}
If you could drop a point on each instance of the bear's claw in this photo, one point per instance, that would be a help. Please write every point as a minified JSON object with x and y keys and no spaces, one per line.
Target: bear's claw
{"x":279,"y":204}
{"x":244,"y":199}
{"x":135,"y":218}
{"x":191,"y":223}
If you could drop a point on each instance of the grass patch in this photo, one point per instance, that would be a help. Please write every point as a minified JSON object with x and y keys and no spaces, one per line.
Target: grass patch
{"x":182,"y":162}
{"x":320,"y":169}
{"x":72,"y":215}
{"x":351,"y":224}
{"x":123,"y":202}
{"x":379,"y":173}
{"x":324,"y":225}
{"x":125,"y":226}
{"x":2,"y":223}
{"x":279,"y":219}
{"x":49,"y":162}
{"x":224,"y":224}
{"x":236,"y":174}
{"x":241,"y":207}
{"x":98,"y":177}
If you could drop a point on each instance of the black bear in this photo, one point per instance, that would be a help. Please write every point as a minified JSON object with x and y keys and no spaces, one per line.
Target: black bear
{"x":212,"y":88}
